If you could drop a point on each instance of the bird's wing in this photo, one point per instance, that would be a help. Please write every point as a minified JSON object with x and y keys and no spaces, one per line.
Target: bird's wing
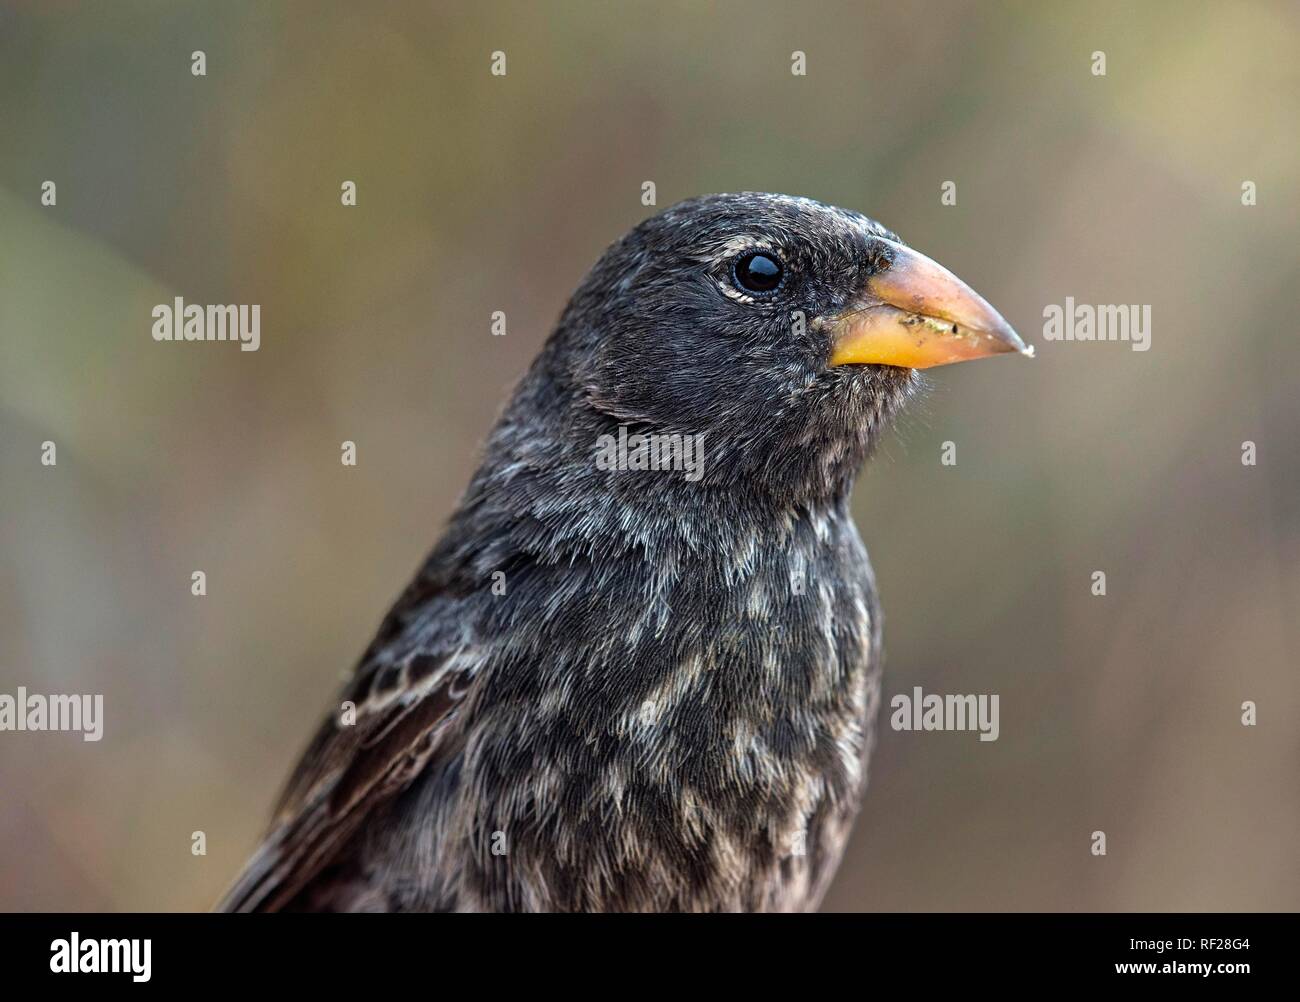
{"x":407,"y":693}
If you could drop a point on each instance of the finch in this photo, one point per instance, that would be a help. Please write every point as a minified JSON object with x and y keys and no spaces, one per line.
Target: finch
{"x":640,"y":670}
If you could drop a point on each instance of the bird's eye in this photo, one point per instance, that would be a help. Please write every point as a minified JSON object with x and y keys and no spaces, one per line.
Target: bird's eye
{"x":758,"y":272}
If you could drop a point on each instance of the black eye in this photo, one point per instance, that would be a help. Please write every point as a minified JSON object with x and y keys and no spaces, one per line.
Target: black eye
{"x":758,"y":272}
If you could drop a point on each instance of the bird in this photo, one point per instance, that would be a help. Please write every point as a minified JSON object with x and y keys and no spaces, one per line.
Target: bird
{"x":640,"y":669}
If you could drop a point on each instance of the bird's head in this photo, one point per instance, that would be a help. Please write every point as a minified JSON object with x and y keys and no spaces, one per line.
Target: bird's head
{"x":785,"y":331}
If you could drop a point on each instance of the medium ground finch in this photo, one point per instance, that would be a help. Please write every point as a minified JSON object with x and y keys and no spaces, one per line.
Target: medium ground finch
{"x":641,"y":668}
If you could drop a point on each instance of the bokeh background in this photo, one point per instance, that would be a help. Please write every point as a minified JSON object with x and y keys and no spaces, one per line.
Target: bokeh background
{"x":478,"y":193}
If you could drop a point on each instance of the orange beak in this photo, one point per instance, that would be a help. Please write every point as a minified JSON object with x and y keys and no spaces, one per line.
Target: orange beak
{"x":916,"y":314}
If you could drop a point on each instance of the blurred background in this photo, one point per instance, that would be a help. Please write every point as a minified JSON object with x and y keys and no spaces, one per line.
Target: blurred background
{"x":478,"y":193}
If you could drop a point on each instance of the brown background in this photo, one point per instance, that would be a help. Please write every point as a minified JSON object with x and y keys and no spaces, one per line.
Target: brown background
{"x":479,"y":193}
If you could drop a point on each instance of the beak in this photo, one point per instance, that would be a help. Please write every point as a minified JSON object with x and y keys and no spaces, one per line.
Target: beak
{"x":917,"y":314}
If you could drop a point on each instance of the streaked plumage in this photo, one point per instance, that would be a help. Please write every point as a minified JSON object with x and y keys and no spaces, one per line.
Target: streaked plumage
{"x":671,"y":706}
